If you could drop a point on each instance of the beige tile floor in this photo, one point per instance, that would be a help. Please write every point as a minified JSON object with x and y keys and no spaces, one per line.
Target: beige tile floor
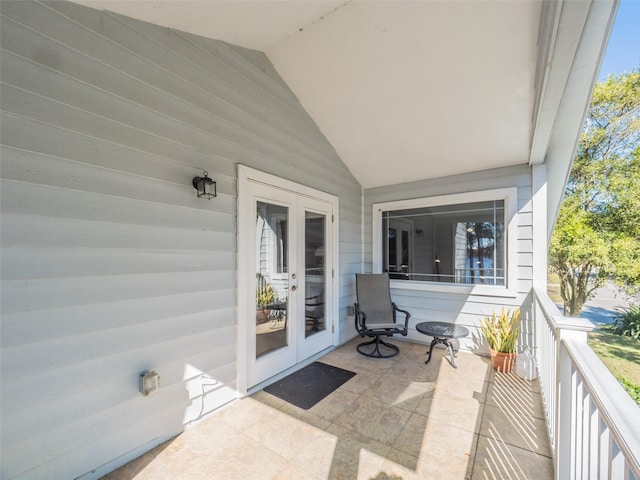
{"x":396,"y":419}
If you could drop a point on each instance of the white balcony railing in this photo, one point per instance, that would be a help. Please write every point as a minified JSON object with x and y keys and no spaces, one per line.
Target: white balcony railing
{"x":593,"y":423}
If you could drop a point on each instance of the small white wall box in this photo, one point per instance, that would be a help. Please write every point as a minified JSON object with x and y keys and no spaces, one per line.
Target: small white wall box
{"x":149,"y":382}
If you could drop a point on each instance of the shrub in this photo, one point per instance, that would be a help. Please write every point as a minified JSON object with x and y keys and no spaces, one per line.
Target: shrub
{"x":627,"y":321}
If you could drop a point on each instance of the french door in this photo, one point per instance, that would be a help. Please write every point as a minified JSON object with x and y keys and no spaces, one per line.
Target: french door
{"x":285,"y":261}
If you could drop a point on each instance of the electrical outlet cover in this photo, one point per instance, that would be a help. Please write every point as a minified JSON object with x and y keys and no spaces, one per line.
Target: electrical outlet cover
{"x":149,"y":383}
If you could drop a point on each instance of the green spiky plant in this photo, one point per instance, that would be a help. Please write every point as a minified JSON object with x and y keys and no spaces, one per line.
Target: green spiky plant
{"x":627,"y":321}
{"x":264,"y":295}
{"x":502,"y":330}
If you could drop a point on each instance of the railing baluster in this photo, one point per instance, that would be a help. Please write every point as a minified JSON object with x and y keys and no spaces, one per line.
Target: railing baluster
{"x":577,"y":424}
{"x":594,"y":433}
{"x":605,"y":445}
{"x":617,"y":461}
{"x":586,"y":432}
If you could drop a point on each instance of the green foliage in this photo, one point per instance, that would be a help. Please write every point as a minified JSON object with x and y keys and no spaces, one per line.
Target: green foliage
{"x":627,"y":322}
{"x":597,"y":234}
{"x":632,"y":389}
{"x":579,"y":256}
{"x":264,"y":295}
{"x":502,"y":330}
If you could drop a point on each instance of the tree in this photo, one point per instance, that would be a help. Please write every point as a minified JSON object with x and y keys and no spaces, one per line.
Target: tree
{"x":597,"y":234}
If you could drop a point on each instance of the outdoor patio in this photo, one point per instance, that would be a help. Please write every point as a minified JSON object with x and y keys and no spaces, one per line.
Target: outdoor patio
{"x":396,"y":419}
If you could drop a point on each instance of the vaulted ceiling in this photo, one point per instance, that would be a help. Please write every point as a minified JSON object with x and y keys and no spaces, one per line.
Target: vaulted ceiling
{"x":408,"y":90}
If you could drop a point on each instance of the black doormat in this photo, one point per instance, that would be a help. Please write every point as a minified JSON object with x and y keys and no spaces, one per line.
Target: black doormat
{"x":309,"y":385}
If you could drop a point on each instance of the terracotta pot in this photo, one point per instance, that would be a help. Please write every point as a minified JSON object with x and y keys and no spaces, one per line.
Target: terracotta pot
{"x":262,"y":316}
{"x":502,"y":362}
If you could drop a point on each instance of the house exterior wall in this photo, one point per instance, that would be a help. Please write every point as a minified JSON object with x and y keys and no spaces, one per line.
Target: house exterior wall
{"x":110,"y":264}
{"x":464,"y":308}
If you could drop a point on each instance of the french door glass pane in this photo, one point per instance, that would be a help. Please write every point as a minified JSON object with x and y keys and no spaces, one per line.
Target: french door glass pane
{"x":272,"y":280}
{"x":315,"y":271}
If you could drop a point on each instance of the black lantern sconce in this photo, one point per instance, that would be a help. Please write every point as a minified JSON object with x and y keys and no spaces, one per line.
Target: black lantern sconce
{"x":205,"y":186}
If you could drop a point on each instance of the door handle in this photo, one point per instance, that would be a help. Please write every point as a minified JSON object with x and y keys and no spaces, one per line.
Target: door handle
{"x":294,"y":288}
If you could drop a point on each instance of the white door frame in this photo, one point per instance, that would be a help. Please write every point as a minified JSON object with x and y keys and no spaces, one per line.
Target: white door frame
{"x":245,"y":269}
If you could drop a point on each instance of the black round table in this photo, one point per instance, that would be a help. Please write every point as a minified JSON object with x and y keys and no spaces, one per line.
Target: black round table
{"x":441,"y":333}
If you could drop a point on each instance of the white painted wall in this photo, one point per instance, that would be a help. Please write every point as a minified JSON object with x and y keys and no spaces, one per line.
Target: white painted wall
{"x":110,"y":264}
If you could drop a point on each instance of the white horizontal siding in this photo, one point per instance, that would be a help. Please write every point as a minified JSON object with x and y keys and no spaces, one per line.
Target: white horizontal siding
{"x":26,"y":198}
{"x":110,"y":264}
{"x":33,"y":262}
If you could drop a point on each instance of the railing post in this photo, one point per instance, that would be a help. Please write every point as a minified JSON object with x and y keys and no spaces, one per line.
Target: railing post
{"x":568,"y":406}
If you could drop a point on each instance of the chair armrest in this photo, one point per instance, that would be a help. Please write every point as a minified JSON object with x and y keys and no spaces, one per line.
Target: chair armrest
{"x":313,"y":301}
{"x":407,"y":315}
{"x":360,"y":320}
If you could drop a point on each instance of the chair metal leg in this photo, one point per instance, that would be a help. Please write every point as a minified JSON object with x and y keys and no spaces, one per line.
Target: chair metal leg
{"x":376,"y":353}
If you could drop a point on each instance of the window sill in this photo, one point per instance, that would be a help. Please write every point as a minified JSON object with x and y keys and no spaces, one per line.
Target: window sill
{"x":480,"y":290}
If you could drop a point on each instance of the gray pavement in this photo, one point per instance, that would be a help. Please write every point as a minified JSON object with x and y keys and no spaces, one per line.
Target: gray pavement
{"x":602,"y":307}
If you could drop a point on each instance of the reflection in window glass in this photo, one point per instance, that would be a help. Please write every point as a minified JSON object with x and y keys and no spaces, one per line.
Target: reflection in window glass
{"x":281,"y":247}
{"x":315,"y":272}
{"x":393,"y":247}
{"x":462,"y":243}
{"x":272,"y":286}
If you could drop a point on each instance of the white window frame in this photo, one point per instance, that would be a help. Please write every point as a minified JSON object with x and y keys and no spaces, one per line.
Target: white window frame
{"x":510,"y":197}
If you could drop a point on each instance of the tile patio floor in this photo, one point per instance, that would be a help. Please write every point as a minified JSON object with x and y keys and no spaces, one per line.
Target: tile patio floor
{"x":396,"y":419}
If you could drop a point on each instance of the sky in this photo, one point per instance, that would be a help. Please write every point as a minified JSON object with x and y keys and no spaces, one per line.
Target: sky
{"x":623,"y":50}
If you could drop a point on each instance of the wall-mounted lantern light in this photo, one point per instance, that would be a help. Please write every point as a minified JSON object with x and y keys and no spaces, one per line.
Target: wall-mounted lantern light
{"x":205,"y":186}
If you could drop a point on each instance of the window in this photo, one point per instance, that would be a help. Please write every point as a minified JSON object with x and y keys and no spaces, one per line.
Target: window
{"x":452,"y":240}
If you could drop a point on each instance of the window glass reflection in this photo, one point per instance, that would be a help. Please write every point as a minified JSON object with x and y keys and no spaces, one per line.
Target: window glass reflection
{"x":463,"y":243}
{"x":272,"y":281}
{"x":315,"y":276}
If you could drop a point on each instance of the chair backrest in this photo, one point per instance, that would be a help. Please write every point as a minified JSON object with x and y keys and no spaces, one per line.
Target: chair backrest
{"x":314,"y":305}
{"x":374,"y":297}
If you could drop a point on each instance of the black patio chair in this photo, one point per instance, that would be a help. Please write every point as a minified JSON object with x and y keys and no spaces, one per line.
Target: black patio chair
{"x":376,"y":314}
{"x":314,"y":311}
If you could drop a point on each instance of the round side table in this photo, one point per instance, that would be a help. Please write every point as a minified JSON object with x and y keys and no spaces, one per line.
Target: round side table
{"x":441,"y":333}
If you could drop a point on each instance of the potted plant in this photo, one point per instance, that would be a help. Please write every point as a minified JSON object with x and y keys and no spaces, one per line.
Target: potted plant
{"x":265,"y":295}
{"x":502,"y":332}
